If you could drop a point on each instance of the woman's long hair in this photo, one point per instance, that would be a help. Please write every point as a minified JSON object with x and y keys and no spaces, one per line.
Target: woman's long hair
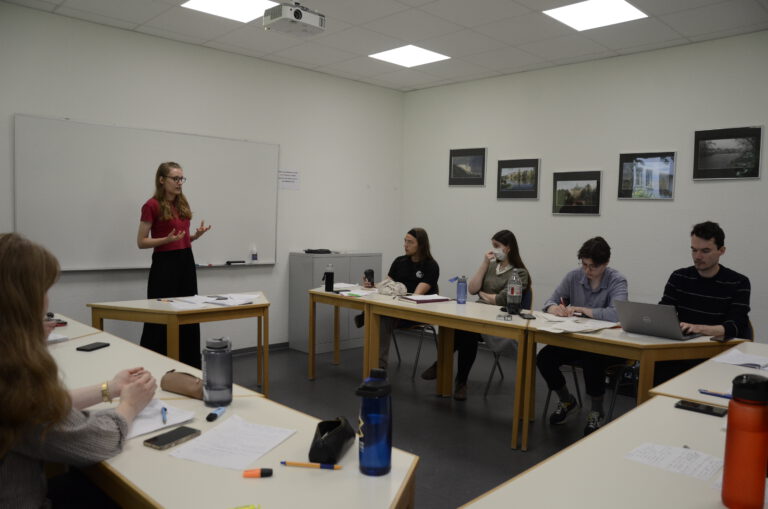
{"x":420,"y":234}
{"x":180,"y":203}
{"x":31,"y":393}
{"x":507,"y":238}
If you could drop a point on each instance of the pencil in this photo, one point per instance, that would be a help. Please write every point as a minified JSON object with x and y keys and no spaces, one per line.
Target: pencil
{"x":329,"y":466}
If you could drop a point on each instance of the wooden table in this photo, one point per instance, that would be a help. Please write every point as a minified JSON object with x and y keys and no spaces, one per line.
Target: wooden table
{"x":615,"y":342}
{"x":142,"y":477}
{"x":154,"y":311}
{"x":711,"y":375}
{"x":594,"y":473}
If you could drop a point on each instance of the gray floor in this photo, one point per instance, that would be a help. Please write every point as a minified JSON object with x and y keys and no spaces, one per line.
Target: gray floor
{"x":463,"y":446}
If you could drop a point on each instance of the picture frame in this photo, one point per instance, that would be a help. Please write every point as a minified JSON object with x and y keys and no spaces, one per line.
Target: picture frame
{"x":647,"y":176}
{"x":576,"y":192}
{"x":727,"y":153}
{"x":466,"y":167}
{"x":518,"y":178}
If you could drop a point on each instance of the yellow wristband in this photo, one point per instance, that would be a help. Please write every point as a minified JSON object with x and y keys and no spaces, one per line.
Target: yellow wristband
{"x":105,"y":396}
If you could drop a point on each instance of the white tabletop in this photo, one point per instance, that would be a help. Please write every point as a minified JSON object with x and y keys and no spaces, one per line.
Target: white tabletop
{"x":593,"y":473}
{"x":167,"y":307}
{"x":710,"y":375}
{"x":74,"y":329}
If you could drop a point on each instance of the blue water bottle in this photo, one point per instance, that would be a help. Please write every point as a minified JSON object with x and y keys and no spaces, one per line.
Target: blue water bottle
{"x":461,"y":290}
{"x":375,"y":424}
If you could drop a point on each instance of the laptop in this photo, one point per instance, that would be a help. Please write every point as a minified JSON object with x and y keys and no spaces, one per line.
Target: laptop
{"x":658,"y":320}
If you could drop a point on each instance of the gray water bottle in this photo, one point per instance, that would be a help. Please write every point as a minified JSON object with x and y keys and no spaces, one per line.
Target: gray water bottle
{"x":514,"y":293}
{"x":217,"y":372}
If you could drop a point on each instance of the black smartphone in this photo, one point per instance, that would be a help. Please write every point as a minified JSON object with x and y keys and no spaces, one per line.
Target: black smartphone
{"x":368,"y":275}
{"x":90,"y":347}
{"x":170,"y":438}
{"x":527,"y":316}
{"x":701,"y":408}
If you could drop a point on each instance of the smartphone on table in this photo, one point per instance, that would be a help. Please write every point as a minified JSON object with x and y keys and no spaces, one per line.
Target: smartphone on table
{"x":170,"y":438}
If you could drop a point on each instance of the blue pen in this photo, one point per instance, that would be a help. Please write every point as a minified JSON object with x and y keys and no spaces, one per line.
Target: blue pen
{"x":164,"y":414}
{"x":215,"y":414}
{"x":717,"y":394}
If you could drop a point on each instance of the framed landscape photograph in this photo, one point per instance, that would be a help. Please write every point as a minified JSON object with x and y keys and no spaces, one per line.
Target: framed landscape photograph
{"x":467,"y":167}
{"x":727,"y":153}
{"x":518,"y":178}
{"x":647,"y":176}
{"x":576,"y":192}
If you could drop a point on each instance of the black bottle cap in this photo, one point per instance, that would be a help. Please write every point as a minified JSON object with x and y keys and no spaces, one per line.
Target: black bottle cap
{"x":751,"y":388}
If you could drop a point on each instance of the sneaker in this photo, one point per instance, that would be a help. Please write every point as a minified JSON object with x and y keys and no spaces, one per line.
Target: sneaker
{"x":460,"y":394}
{"x":563,"y":409}
{"x":430,"y":373}
{"x":359,"y":320}
{"x":593,"y":422}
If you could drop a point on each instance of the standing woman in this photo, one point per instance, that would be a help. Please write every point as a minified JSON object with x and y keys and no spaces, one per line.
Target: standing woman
{"x":489,"y":283}
{"x":419,"y":272}
{"x":39,"y":419}
{"x":166,"y":216}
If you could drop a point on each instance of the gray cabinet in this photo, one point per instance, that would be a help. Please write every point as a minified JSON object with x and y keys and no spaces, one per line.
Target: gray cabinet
{"x":306,"y":272}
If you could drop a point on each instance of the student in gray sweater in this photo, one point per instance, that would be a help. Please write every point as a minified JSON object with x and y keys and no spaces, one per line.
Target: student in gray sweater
{"x":489,"y":284}
{"x":40,"y":420}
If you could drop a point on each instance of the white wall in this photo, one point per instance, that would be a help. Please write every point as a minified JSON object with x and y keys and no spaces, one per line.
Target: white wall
{"x":580,"y":117}
{"x":344,"y":137}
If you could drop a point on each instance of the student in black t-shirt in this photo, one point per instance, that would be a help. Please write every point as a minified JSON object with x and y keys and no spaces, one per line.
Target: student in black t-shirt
{"x":710,"y":298}
{"x":419,"y":272}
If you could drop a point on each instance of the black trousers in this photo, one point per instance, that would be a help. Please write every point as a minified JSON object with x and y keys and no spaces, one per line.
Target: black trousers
{"x":173,"y":274}
{"x":550,"y":358}
{"x":465,"y":343}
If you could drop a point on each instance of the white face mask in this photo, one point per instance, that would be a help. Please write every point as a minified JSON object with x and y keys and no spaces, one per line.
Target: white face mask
{"x":500,"y":254}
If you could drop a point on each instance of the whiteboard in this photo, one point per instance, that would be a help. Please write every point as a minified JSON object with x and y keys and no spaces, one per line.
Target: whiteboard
{"x":79,"y":188}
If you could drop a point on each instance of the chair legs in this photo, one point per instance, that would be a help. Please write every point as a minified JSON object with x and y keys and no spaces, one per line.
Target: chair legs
{"x":422,"y":330}
{"x":578,"y":394}
{"x":496,"y":365}
{"x":620,"y":377}
{"x":397,"y":349}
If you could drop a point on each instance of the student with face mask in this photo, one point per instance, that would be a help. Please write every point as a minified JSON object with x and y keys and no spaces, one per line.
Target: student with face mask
{"x":489,"y":284}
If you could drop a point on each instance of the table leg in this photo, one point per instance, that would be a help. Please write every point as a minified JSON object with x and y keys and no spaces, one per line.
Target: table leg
{"x":645,"y":379}
{"x":265,"y":384}
{"x":445,"y":362}
{"x":172,"y":337}
{"x":367,"y":338}
{"x":336,"y":334}
{"x":518,"y":412}
{"x":311,"y":339}
{"x":259,"y":354}
{"x":97,"y":321}
{"x":371,"y":348}
{"x":530,"y":389}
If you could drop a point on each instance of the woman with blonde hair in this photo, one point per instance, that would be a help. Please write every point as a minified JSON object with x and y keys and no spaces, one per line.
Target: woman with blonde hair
{"x":164,"y":226}
{"x":39,"y":419}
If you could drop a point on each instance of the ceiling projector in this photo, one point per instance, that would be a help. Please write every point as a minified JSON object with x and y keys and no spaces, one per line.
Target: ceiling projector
{"x":294,"y":19}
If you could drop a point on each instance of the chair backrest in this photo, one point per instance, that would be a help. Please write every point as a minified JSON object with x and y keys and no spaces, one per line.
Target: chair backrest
{"x":527,"y":302}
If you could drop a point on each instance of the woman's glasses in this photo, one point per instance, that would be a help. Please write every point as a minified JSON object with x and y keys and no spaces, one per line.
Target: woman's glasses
{"x":178,"y":180}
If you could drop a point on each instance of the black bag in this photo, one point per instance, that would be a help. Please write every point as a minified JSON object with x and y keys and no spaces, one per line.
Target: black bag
{"x":331,"y":441}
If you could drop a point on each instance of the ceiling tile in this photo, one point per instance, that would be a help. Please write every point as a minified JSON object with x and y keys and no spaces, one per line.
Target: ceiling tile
{"x":575,"y":59}
{"x":362,"y":66}
{"x":135,"y":11}
{"x":658,"y":7}
{"x":527,"y":28}
{"x":653,"y":46}
{"x":633,"y":33}
{"x":456,"y":69}
{"x":543,"y":5}
{"x":234,"y":49}
{"x":167,"y":34}
{"x":564,"y":47}
{"x":96,"y":18}
{"x":40,"y":5}
{"x":717,"y":18}
{"x":461,"y":43}
{"x":476,"y":12}
{"x":731,"y":32}
{"x":505,"y":59}
{"x":198,"y":25}
{"x":255,"y":39}
{"x":415,"y":3}
{"x":359,"y":40}
{"x":314,"y":55}
{"x":356,"y":12}
{"x":407,"y":79}
{"x":412,"y":25}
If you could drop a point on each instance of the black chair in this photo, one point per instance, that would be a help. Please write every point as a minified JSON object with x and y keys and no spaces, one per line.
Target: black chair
{"x":422,"y":328}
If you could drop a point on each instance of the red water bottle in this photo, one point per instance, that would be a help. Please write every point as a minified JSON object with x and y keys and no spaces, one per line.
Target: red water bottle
{"x":746,"y":444}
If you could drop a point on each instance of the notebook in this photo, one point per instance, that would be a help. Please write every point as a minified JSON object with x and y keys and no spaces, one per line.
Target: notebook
{"x":651,"y":319}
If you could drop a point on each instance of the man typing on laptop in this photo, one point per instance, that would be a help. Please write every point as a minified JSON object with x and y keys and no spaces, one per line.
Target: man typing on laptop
{"x":710,"y":299}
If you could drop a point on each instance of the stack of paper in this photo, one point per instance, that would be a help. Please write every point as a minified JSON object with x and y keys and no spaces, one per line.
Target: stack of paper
{"x":558,"y":324}
{"x":734,"y":356}
{"x":56,"y":338}
{"x":422,"y":299}
{"x":151,"y":418}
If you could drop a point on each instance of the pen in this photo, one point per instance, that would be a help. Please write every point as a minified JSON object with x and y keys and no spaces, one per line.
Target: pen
{"x":257,"y":472}
{"x":713,"y":393}
{"x":329,"y":466}
{"x":164,"y":414}
{"x":215,"y":414}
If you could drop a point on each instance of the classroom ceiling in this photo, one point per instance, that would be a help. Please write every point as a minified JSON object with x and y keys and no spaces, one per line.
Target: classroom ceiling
{"x":484,"y":38}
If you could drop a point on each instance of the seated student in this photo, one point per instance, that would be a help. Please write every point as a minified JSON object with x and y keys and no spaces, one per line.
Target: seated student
{"x":39,"y":419}
{"x":710,"y":299}
{"x":489,"y":283}
{"x":590,"y":291}
{"x":419,"y":272}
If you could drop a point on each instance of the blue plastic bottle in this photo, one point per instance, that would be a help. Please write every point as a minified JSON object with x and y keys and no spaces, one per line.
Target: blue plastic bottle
{"x":461,"y":290}
{"x":375,"y":424}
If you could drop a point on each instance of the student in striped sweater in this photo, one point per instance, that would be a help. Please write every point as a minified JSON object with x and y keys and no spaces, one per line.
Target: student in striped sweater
{"x":710,"y":298}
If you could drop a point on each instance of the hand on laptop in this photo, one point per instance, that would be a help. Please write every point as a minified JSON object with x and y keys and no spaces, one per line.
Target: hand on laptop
{"x":706,"y":330}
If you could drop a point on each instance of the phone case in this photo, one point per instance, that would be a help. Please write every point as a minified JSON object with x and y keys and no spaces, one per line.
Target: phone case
{"x":92,"y":346}
{"x":184,"y":434}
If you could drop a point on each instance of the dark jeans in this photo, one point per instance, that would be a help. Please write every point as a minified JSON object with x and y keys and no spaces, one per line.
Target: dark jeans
{"x":550,"y":359}
{"x":72,"y":490}
{"x":465,"y":343}
{"x":173,"y":274}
